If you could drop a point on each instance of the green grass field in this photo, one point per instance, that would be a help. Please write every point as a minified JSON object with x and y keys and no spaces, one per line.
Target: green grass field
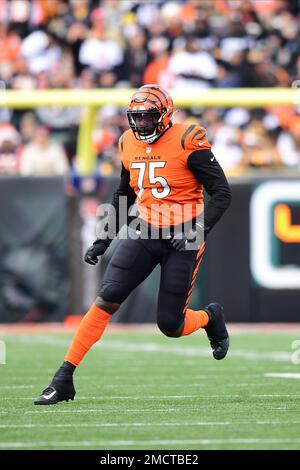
{"x":145,"y":391}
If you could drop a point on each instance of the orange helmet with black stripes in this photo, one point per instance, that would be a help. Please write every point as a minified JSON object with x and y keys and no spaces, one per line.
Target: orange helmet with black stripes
{"x":150,"y":112}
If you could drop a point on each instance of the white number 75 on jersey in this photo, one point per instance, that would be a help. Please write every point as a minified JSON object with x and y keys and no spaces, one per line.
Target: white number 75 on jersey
{"x":156,"y":192}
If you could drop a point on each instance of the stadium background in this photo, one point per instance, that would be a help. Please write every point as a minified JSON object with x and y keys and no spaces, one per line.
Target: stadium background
{"x":49,"y":199}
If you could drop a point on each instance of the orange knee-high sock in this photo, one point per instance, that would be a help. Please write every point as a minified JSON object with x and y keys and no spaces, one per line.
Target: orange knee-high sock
{"x":194,"y":320}
{"x":90,"y":330}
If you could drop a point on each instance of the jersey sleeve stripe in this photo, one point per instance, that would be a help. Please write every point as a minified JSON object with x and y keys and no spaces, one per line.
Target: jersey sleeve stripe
{"x":187,"y":132}
{"x":201,"y":133}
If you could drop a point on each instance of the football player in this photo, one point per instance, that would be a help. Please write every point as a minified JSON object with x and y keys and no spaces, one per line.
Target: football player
{"x":163,"y":165}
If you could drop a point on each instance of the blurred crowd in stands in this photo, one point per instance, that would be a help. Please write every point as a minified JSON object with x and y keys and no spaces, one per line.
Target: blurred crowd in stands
{"x":178,"y":44}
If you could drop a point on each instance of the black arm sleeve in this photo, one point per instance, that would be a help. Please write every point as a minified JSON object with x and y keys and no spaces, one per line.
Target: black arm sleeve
{"x":209,"y":173}
{"x":125,"y":191}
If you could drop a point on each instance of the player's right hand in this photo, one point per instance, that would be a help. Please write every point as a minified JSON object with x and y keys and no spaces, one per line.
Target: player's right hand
{"x":98,"y":248}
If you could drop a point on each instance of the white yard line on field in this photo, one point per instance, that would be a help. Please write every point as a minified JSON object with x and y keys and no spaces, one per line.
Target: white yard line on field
{"x":128,"y":386}
{"x":149,"y":443}
{"x":155,"y":425}
{"x":151,"y":397}
{"x":283,"y":375}
{"x":153,"y":410}
{"x":171,"y":397}
{"x":105,"y":410}
{"x":112,"y":425}
{"x":125,"y":346}
{"x":244,"y":384}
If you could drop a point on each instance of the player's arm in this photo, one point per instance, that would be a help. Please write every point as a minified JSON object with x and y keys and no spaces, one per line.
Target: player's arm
{"x":102,"y":243}
{"x":209,"y":173}
{"x":122,"y":200}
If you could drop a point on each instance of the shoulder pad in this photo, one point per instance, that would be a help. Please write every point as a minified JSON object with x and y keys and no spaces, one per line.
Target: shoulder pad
{"x":195,"y":138}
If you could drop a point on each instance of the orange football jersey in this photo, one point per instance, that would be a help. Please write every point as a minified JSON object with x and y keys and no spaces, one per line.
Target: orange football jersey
{"x":167,"y":191}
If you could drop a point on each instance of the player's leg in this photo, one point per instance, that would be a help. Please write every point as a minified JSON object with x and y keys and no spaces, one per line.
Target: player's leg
{"x":174,"y":318}
{"x":178,"y":274}
{"x":130,"y":264}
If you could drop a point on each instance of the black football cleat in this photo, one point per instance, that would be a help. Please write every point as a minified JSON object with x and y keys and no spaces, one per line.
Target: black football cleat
{"x":60,"y":389}
{"x":216,"y":330}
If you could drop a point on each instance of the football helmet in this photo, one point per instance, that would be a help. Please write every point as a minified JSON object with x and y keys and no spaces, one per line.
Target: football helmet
{"x":150,"y":112}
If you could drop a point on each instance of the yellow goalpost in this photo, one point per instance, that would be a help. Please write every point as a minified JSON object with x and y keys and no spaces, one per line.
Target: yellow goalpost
{"x":92,"y":100}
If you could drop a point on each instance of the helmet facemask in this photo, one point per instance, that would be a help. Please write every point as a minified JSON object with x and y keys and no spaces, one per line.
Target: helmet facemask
{"x":146,"y":124}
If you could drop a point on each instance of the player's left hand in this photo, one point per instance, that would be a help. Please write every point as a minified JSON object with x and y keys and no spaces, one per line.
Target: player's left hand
{"x":181,"y":241}
{"x":98,"y":248}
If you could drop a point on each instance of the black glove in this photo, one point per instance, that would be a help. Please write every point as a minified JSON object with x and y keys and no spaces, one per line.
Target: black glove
{"x":181,"y":240}
{"x":98,"y":248}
